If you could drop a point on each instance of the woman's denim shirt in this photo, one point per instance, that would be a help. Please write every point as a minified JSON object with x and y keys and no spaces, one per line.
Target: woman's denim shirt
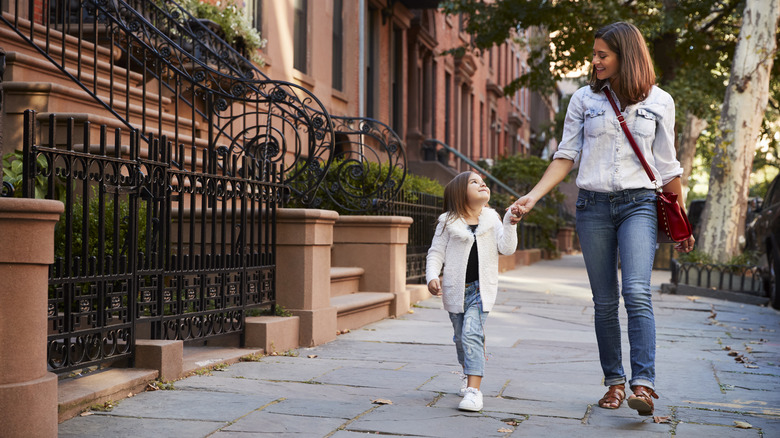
{"x":592,"y":135}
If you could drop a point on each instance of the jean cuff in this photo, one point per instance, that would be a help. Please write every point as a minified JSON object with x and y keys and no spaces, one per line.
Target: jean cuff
{"x":642,"y":382}
{"x":615,"y":381}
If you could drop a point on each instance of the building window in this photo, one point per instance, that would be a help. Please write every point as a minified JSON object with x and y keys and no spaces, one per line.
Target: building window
{"x":396,"y":72}
{"x":372,"y":65}
{"x":256,"y":13}
{"x":338,"y":45}
{"x":300,"y":31}
{"x":447,"y":108}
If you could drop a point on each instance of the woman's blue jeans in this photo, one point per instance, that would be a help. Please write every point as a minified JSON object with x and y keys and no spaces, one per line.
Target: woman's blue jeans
{"x":621,"y":224}
{"x":469,"y":328}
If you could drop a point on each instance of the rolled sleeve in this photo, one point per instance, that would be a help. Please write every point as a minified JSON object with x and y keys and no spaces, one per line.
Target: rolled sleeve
{"x":571,"y":143}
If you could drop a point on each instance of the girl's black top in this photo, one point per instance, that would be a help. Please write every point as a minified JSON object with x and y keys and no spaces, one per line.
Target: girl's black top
{"x":472,"y":269}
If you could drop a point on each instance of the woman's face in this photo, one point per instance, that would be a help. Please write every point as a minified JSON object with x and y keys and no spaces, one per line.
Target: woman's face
{"x":605,"y":61}
{"x":477,"y":192}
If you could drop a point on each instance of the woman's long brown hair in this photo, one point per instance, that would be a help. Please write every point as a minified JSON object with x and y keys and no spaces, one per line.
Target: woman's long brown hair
{"x":635,"y":72}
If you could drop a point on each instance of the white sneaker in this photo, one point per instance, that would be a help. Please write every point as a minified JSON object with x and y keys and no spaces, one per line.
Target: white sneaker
{"x":464,"y":383}
{"x":472,"y":400}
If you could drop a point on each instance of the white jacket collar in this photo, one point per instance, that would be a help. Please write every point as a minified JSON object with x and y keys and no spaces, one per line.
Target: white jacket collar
{"x":460,"y":229}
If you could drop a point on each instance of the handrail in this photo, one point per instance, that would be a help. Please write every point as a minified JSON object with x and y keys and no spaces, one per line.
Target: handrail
{"x":216,"y":104}
{"x":473,"y":164}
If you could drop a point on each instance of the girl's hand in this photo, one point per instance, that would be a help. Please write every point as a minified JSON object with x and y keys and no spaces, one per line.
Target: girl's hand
{"x":521,"y":207}
{"x":434,"y":287}
{"x":686,"y":245}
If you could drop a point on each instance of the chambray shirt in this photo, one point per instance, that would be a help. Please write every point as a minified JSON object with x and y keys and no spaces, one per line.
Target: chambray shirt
{"x":592,"y":135}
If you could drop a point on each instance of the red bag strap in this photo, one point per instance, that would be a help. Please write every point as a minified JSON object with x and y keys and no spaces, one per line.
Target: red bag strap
{"x":631,"y":138}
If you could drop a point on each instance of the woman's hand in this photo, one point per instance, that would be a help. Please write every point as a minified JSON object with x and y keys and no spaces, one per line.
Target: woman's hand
{"x":686,"y":245}
{"x":521,"y":207}
{"x":434,"y":287}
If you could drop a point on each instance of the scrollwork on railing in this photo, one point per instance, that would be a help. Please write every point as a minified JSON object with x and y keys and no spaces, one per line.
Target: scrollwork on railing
{"x":369,"y":166}
{"x":8,"y":190}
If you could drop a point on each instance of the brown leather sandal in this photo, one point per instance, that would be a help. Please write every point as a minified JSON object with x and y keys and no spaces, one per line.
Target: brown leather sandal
{"x":614,"y":397}
{"x":641,"y":401}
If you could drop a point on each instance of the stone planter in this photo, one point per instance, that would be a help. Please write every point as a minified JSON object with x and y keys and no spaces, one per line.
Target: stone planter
{"x":28,"y":392}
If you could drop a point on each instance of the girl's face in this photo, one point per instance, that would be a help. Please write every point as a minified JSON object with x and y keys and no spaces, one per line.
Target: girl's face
{"x":605,"y":61}
{"x":477,"y":193}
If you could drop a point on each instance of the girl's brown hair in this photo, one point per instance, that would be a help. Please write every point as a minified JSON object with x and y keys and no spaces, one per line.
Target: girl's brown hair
{"x":635,"y":75}
{"x":455,"y":204}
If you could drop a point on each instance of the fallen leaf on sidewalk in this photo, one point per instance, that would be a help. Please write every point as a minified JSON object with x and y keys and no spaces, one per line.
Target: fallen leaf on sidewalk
{"x":661,"y":419}
{"x":692,"y":298}
{"x":733,"y":353}
{"x":381,"y":401}
{"x":311,"y":356}
{"x":512,"y":422}
{"x":747,"y":365}
{"x":505,"y":430}
{"x":742,"y":424}
{"x":86,"y":414}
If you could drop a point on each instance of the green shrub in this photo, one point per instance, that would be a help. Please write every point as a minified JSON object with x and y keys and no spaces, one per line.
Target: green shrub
{"x":350,"y":180}
{"x":521,"y":174}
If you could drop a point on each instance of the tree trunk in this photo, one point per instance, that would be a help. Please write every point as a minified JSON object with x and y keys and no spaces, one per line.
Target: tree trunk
{"x":686,"y":148}
{"x":723,"y":219}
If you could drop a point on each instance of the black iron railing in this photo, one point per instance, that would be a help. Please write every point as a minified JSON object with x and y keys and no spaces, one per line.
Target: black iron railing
{"x":172,"y":80}
{"x":737,"y":278}
{"x":160,"y":244}
{"x":424,"y":209}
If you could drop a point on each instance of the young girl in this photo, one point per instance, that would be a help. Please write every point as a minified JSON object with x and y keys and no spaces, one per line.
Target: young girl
{"x":468,"y":238}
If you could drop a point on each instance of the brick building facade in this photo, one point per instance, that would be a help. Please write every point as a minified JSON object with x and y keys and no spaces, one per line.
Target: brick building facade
{"x":384,"y":59}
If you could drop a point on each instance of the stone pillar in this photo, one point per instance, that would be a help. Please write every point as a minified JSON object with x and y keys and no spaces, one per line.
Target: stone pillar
{"x":28,"y":392}
{"x":378,"y":245}
{"x":303,"y":241}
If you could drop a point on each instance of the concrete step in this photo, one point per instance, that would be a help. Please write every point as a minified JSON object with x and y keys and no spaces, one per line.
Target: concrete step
{"x":361,"y":308}
{"x":345,"y":280}
{"x":21,"y":67}
{"x":77,"y":394}
{"x":60,"y":99}
{"x":417,"y":293}
{"x":12,"y":42}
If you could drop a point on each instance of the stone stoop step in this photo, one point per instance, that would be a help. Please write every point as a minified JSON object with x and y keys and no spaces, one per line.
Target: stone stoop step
{"x":358,"y":309}
{"x":345,"y":281}
{"x":76,"y":395}
{"x":417,"y":293}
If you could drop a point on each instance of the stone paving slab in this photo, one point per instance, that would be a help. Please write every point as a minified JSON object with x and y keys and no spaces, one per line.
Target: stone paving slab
{"x":268,"y":423}
{"x":99,"y":426}
{"x":209,"y":406}
{"x":428,"y":422}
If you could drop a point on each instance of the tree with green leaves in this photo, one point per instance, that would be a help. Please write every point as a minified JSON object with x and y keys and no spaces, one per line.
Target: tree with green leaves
{"x":692,"y":43}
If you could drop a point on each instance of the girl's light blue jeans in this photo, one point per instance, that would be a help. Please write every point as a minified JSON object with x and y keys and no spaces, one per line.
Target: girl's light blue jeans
{"x":469,"y":332}
{"x":621,"y":224}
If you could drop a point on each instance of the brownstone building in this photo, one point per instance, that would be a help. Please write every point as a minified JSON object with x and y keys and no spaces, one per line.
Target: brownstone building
{"x":385,"y":59}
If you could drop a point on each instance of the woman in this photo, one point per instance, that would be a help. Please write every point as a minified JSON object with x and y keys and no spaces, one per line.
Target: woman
{"x":616,"y":210}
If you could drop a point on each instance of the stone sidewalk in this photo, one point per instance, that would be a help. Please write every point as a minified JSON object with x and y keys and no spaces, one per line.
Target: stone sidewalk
{"x":397,"y":377}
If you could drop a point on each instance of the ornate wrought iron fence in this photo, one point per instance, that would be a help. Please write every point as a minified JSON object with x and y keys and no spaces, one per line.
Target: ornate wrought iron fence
{"x":424,"y":209}
{"x":163,"y":242}
{"x":157,"y":70}
{"x":745,"y":279}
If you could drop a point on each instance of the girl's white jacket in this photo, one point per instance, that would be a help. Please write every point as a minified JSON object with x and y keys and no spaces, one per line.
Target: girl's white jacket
{"x":451,"y":247}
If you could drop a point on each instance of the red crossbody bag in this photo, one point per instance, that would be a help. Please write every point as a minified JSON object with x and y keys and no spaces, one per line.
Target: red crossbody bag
{"x":673,"y":224}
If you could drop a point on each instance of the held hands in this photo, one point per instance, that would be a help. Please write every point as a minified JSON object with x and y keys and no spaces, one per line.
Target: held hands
{"x":434,"y":287}
{"x":520,"y":208}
